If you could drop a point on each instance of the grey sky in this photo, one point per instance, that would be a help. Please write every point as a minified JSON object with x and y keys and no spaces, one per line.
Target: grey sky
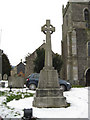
{"x":21,"y":21}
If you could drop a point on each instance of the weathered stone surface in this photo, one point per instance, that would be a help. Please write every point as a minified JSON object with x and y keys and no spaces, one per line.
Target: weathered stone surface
{"x":29,"y":67}
{"x":51,"y":92}
{"x":48,"y":29}
{"x":16,"y":82}
{"x":49,"y":102}
{"x":76,"y":36}
{"x":48,"y":93}
{"x":48,"y":79}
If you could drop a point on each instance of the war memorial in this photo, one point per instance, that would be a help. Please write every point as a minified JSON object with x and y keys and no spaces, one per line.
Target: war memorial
{"x":48,"y":93}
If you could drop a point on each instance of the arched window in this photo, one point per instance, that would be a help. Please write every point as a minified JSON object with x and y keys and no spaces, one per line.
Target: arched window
{"x":86,"y":15}
{"x":89,"y":49}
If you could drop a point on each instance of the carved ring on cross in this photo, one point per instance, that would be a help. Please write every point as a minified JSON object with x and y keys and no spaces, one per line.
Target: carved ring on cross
{"x":45,"y":29}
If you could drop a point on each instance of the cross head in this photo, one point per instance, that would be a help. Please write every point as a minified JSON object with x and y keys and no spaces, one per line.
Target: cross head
{"x":48,"y":28}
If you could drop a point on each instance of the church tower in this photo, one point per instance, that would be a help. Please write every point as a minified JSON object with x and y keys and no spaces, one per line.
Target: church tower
{"x":76,"y":43}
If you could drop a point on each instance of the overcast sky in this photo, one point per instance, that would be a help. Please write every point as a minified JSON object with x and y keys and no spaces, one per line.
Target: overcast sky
{"x":21,"y":21}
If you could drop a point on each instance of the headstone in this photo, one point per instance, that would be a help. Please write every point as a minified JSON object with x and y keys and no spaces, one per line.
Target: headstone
{"x":48,"y":93}
{"x":5,"y":77}
{"x":16,"y":82}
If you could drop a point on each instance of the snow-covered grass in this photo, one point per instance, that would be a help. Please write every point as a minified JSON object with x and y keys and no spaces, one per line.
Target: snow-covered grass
{"x":77,"y":97}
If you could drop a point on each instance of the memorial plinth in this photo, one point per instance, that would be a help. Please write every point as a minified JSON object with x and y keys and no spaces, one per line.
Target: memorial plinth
{"x":48,"y":93}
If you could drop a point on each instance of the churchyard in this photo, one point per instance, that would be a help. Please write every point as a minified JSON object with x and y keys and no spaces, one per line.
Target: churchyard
{"x":13,"y":103}
{"x":48,"y":101}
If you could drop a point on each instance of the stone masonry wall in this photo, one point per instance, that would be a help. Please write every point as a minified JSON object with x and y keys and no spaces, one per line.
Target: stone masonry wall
{"x":73,"y":19}
{"x":29,"y":68}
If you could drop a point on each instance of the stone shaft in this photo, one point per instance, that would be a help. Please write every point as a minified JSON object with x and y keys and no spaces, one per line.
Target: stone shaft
{"x":48,"y":29}
{"x":48,"y":79}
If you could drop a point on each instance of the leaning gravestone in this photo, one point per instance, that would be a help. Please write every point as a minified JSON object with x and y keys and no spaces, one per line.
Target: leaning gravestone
{"x":48,"y":93}
{"x":16,"y":82}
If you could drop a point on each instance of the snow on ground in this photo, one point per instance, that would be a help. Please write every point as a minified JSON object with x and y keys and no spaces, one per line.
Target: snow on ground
{"x":77,"y":97}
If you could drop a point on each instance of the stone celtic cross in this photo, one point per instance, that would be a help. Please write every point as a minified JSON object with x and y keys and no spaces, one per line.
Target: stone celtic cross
{"x":48,"y":29}
{"x":48,"y":93}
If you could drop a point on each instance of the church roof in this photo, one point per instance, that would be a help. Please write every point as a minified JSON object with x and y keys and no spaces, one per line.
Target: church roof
{"x":42,"y":46}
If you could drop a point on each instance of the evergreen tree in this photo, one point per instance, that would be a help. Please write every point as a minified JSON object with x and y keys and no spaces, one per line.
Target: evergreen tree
{"x":39,"y":61}
{"x":57,"y":62}
{"x":6,"y":67}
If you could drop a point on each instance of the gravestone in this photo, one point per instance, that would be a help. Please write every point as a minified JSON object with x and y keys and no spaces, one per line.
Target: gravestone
{"x":5,"y":77}
{"x":48,"y":93}
{"x":16,"y":82}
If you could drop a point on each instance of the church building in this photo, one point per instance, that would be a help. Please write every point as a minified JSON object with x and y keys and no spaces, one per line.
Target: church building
{"x":29,"y":67}
{"x":76,"y":43}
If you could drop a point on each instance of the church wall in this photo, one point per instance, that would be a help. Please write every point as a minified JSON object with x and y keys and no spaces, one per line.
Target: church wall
{"x":20,"y":68}
{"x":29,"y":68}
{"x":77,"y":11}
{"x":75,"y":49}
{"x":88,"y":40}
{"x":82,"y":53}
{"x":81,"y":43}
{"x":65,"y":28}
{"x":78,"y":14}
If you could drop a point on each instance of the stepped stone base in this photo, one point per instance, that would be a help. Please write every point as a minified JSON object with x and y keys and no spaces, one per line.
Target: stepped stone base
{"x":48,"y":93}
{"x":49,"y":99}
